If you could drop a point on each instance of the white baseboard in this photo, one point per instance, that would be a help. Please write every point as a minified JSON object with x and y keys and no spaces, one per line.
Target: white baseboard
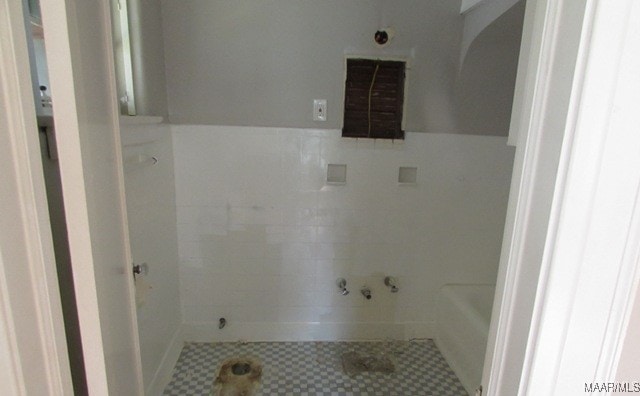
{"x":165,"y":370}
{"x":419,"y":330}
{"x":272,"y":331}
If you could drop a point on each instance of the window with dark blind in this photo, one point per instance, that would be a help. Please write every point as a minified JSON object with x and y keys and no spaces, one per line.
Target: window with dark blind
{"x":373,"y":99}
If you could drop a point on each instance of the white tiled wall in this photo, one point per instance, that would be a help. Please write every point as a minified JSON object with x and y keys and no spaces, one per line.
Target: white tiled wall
{"x":262,"y":238}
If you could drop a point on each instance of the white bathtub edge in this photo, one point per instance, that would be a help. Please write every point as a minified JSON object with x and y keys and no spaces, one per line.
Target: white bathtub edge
{"x":478,"y":317}
{"x":163,"y":374}
{"x":461,"y":330}
{"x":451,"y":361}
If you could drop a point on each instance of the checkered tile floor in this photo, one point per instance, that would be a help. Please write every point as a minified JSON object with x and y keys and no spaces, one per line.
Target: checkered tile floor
{"x":315,"y":368}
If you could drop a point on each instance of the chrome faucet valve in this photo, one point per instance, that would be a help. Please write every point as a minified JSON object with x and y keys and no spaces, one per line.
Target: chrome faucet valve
{"x":391,"y":282}
{"x":342,"y":285}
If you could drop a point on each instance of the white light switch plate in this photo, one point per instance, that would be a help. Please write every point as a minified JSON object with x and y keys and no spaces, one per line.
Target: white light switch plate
{"x":319,"y":109}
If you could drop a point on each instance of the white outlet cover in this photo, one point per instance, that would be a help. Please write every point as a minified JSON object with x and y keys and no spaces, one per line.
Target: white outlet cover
{"x":319,"y":109}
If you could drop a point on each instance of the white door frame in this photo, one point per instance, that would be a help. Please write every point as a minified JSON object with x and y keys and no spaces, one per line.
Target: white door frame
{"x":79,"y":46}
{"x":579,"y":240}
{"x":589,"y":267}
{"x":550,"y":40}
{"x":81,"y":65}
{"x":590,"y":272}
{"x":33,"y":350}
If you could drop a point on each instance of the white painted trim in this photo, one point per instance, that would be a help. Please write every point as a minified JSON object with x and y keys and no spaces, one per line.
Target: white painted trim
{"x":589,"y":266}
{"x":31,"y":314}
{"x":555,"y":34}
{"x":162,"y":376}
{"x":11,"y":375}
{"x":525,"y":194}
{"x":593,"y":259}
{"x":59,"y":47}
{"x":626,"y":352}
{"x":124,"y":220}
{"x":69,"y":80}
{"x":530,"y":63}
{"x":303,"y":331}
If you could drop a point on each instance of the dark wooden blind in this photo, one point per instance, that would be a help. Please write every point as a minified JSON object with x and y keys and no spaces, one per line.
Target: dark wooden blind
{"x":373,"y":99}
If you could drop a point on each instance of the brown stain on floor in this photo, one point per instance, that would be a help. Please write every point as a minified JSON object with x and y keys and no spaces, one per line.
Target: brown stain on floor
{"x":229,"y":384}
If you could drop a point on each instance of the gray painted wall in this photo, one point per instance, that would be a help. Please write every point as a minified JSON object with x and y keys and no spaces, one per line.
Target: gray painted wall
{"x":488,"y":76}
{"x":262,"y":62}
